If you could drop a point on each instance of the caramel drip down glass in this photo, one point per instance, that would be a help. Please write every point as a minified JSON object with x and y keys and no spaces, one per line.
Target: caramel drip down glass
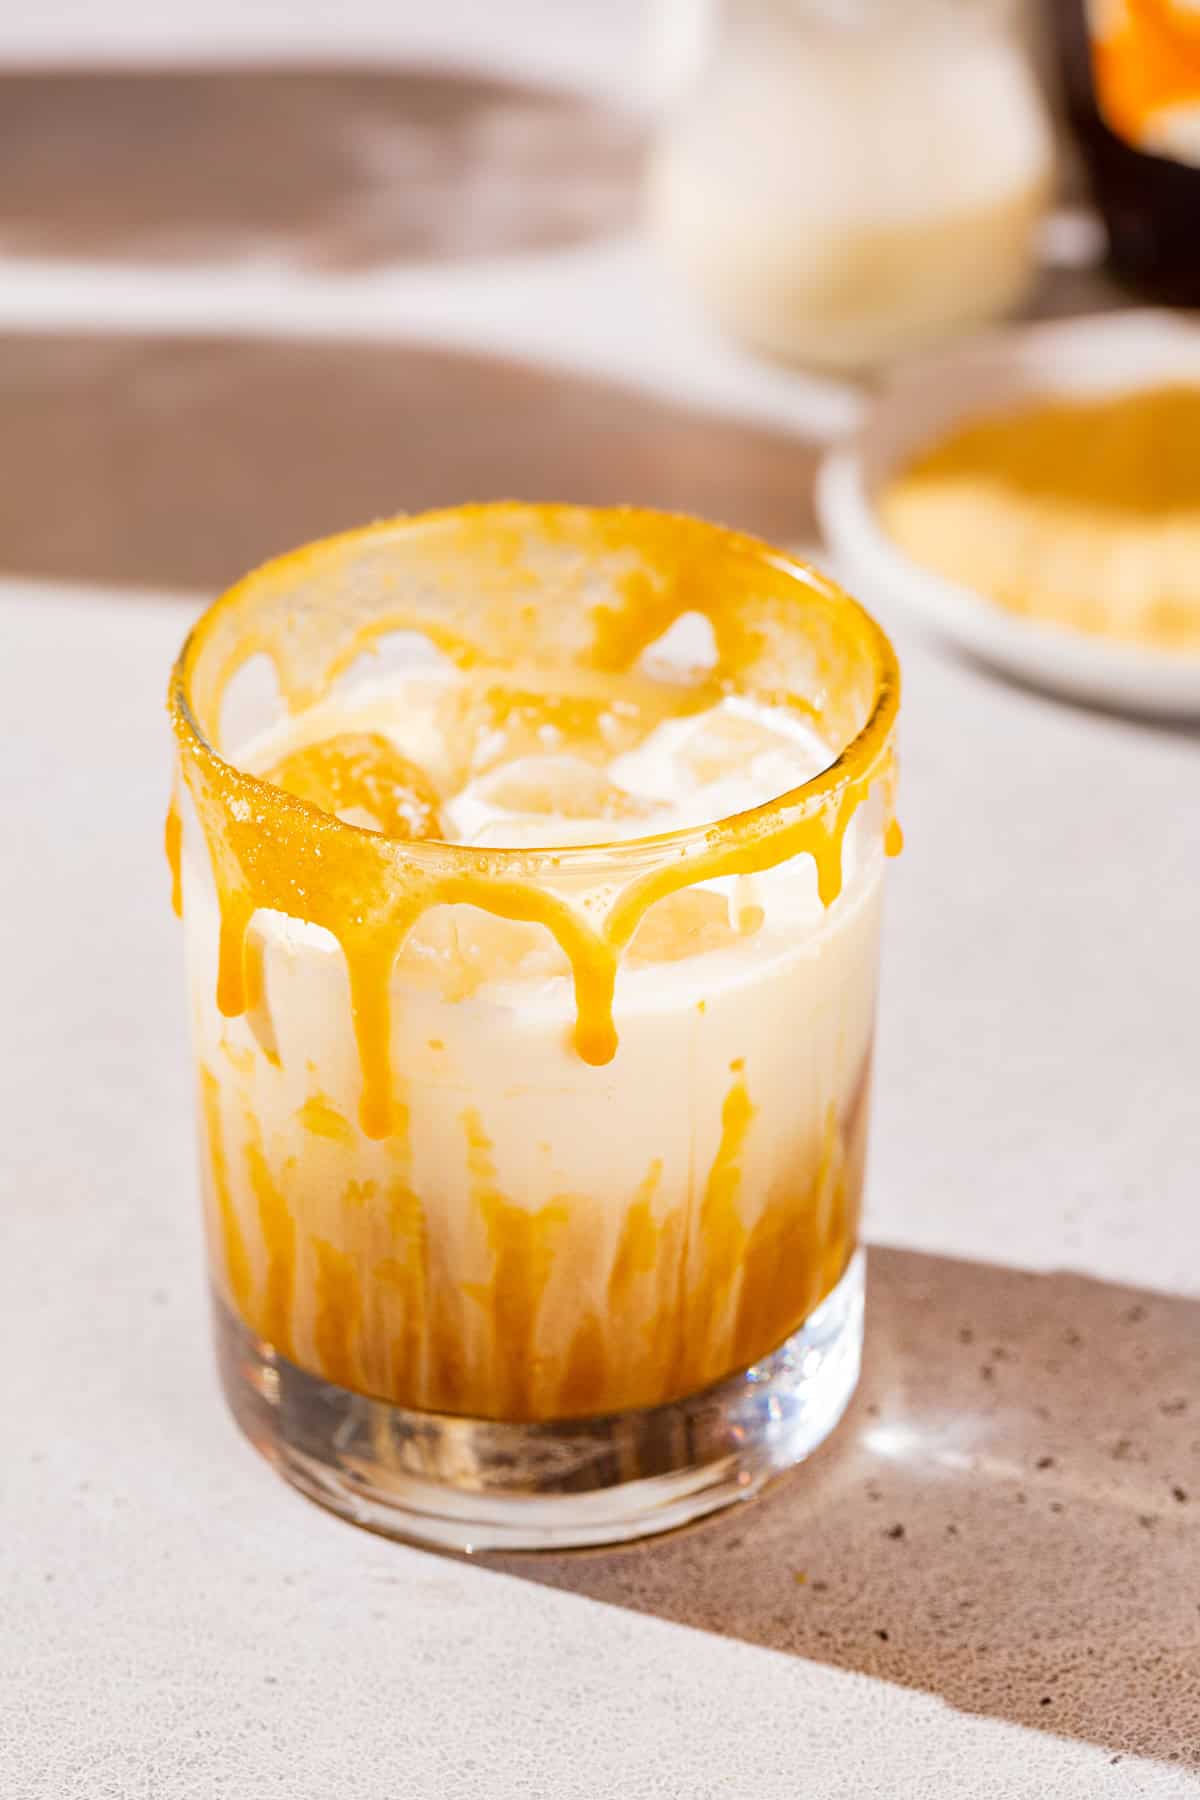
{"x":532,"y":1175}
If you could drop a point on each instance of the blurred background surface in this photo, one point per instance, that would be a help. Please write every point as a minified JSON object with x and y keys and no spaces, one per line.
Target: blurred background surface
{"x":530,"y":249}
{"x":271,"y":270}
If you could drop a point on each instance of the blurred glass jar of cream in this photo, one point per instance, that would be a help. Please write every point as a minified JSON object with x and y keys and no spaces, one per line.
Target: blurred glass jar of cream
{"x":845,"y":180}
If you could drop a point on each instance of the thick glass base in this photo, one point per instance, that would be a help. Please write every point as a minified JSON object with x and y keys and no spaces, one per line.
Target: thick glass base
{"x":479,"y":1484}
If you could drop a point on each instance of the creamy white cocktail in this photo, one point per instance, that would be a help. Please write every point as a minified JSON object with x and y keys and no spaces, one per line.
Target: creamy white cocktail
{"x":532,"y":939}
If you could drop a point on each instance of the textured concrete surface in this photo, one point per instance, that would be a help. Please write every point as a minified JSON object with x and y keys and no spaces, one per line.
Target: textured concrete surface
{"x":1007,"y":1518}
{"x":138,"y":451}
{"x":986,"y":1585}
{"x":304,"y":166}
{"x":178,"y":1624}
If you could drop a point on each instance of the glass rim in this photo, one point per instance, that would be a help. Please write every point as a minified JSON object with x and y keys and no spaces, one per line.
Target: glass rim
{"x":854,"y":761}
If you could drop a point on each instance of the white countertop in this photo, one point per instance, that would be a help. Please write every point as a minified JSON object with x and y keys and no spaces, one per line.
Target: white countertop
{"x":178,"y":1625}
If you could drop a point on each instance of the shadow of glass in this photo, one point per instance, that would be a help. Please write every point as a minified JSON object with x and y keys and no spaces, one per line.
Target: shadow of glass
{"x":1009,"y":1517}
{"x":180,"y":462}
{"x":330,"y":168}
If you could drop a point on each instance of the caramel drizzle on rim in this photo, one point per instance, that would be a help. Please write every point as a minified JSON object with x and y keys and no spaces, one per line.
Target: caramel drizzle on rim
{"x":270,"y":850}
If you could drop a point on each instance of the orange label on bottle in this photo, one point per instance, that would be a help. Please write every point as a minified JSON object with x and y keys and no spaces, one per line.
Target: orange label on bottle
{"x":1146,"y":66}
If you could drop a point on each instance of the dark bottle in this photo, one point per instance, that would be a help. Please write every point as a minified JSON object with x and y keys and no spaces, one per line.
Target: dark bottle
{"x":1117,"y":90}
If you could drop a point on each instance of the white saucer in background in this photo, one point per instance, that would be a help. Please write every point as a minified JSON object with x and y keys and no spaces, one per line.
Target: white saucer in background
{"x":1109,"y":353}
